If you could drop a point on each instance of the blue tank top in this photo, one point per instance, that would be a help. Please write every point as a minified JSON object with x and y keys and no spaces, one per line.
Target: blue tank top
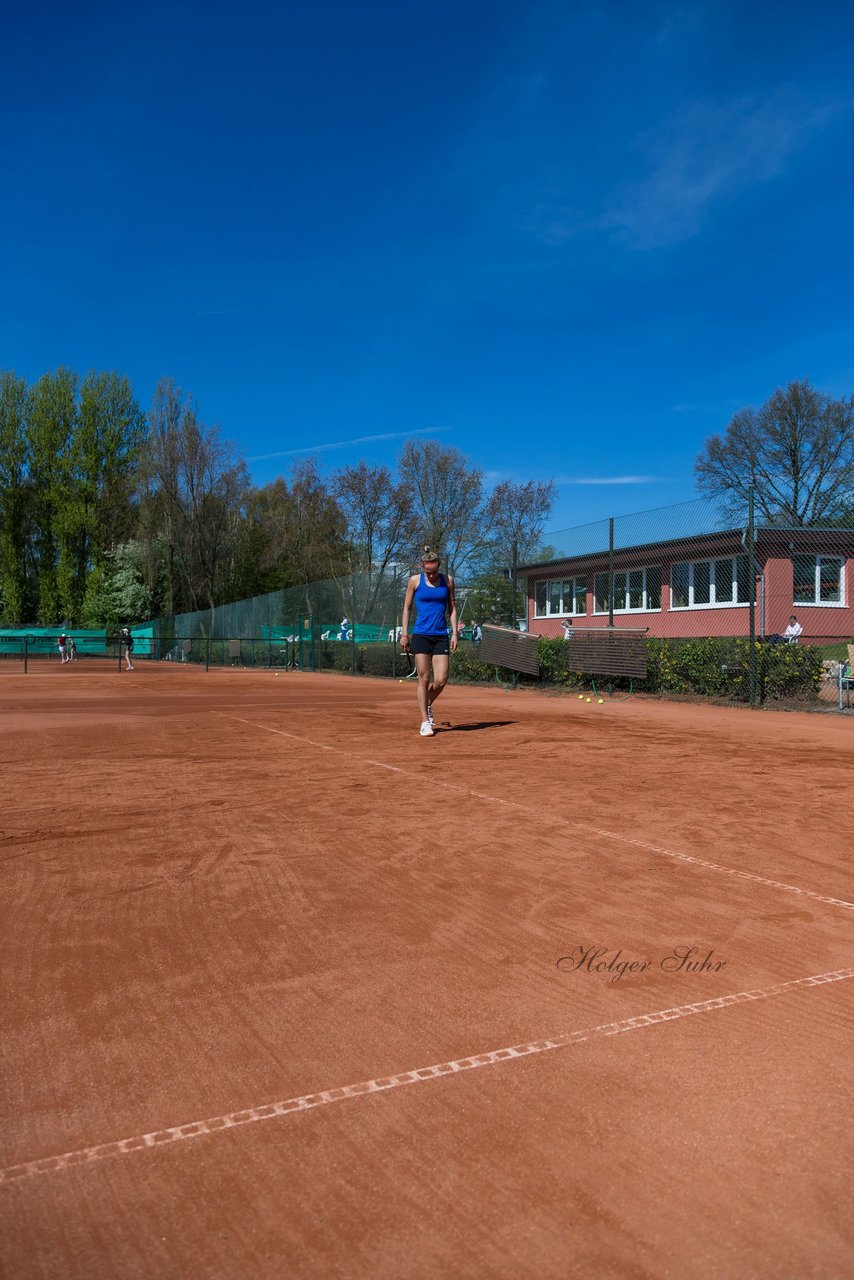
{"x":432,"y":606}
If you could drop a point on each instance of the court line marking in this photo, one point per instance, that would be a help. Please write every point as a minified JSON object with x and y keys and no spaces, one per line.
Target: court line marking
{"x":674,"y":855}
{"x":383,"y":1084}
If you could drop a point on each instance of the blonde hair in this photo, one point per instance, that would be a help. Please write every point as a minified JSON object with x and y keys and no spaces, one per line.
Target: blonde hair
{"x":427,"y":553}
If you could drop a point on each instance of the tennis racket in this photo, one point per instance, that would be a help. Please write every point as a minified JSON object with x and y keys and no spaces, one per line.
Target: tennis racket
{"x":411,"y":669}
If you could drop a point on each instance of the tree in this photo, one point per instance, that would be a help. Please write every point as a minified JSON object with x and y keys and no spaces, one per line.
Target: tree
{"x":516,"y":514}
{"x":382,"y":530}
{"x":117,"y":594}
{"x":448,"y":501}
{"x":317,"y":535}
{"x":796,"y":452}
{"x":14,"y":497}
{"x":107,"y":445}
{"x":489,"y":598}
{"x":196,"y":489}
{"x":52,"y":421}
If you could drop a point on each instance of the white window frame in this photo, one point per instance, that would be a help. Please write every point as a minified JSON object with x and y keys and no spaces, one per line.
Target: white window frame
{"x":561,"y":613}
{"x":816,"y":602}
{"x":713,"y":602}
{"x":645,"y":607}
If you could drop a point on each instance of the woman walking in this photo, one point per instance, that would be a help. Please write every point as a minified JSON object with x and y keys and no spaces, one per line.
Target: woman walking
{"x":434,"y":634}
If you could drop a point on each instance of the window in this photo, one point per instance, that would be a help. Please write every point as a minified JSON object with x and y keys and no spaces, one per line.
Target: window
{"x":635,"y":590}
{"x":817,"y":579}
{"x":560,"y":596}
{"x":706,"y":583}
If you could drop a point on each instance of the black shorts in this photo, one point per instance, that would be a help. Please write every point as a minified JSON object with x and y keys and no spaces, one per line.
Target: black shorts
{"x":433,"y":646}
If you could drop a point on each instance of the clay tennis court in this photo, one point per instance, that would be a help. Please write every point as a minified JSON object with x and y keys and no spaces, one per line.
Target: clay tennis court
{"x":283,"y":995}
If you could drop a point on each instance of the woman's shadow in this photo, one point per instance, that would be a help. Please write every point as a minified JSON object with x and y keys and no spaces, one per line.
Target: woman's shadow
{"x":473,"y":726}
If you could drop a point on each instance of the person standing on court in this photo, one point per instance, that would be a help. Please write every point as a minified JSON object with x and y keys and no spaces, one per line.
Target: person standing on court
{"x":127,"y":645}
{"x":430,"y":644}
{"x":62,"y":646}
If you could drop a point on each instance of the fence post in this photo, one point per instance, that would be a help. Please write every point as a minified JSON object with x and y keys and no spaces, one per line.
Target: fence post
{"x":751,"y":578}
{"x":610,"y":572}
{"x":26,"y":656}
{"x":207,"y":653}
{"x":353,"y":620}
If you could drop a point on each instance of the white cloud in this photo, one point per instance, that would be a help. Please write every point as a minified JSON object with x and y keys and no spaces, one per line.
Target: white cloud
{"x":345,"y":444}
{"x":698,"y":159}
{"x":564,"y":480}
{"x":708,"y":153}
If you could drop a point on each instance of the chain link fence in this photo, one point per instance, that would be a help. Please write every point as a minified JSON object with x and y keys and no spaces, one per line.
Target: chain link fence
{"x":731,"y":606}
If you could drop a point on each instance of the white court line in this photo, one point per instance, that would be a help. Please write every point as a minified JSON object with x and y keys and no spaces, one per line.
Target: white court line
{"x":382,"y":1084}
{"x":569,"y":822}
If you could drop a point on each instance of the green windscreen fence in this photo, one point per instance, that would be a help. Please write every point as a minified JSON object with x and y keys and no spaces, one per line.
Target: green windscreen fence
{"x":371,"y":604}
{"x":731,"y":601}
{"x":43,"y":640}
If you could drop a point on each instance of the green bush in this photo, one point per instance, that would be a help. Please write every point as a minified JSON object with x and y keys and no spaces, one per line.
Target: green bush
{"x":719,"y":667}
{"x":713,"y":666}
{"x":553,"y":657}
{"x":789,"y":671}
{"x":466,"y":664}
{"x":376,"y":659}
{"x":342,"y":657}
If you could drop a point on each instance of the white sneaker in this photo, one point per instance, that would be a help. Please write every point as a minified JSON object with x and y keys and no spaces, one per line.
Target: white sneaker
{"x":426,"y":730}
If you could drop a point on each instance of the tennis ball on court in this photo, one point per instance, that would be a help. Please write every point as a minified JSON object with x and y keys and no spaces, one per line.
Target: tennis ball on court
{"x":400,"y":682}
{"x":601,"y":700}
{"x":581,"y":697}
{"x":589,"y":699}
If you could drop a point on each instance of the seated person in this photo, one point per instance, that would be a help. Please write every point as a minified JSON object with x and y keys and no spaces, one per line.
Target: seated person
{"x":793,"y":630}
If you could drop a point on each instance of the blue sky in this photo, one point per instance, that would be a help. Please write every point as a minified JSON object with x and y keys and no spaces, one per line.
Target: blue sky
{"x":569,"y":239}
